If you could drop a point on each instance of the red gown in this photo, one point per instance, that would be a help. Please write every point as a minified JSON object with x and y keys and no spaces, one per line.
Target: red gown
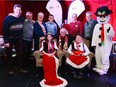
{"x":51,"y":78}
{"x":77,"y":60}
{"x":50,"y":74}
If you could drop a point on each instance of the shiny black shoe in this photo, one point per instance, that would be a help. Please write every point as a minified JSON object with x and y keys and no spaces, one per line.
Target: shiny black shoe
{"x":23,"y":71}
{"x":11,"y":72}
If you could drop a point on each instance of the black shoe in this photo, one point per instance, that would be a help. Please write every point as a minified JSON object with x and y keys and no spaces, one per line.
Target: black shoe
{"x":11,"y":72}
{"x":86,"y":76}
{"x":24,"y":71}
{"x":74,"y":75}
{"x":80,"y":77}
{"x":37,"y":76}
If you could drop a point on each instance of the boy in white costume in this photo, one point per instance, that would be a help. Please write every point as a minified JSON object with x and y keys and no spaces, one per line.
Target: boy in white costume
{"x":102,"y":40}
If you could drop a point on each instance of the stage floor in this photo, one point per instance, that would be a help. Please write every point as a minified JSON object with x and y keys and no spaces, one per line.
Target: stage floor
{"x":29,"y":80}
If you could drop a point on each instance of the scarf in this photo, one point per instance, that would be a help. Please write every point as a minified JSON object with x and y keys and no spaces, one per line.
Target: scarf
{"x":43,"y":28}
{"x":50,"y":47}
{"x":102,"y":34}
{"x":65,"y":45}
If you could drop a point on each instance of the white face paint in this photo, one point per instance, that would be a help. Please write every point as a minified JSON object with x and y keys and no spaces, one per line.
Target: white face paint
{"x":103,"y":20}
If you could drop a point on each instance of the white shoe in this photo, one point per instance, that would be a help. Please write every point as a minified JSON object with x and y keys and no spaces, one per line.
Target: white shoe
{"x":95,"y":69}
{"x":102,"y":73}
{"x":99,"y":71}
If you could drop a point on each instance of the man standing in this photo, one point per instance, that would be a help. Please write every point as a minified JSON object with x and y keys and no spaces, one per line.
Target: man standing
{"x":12,"y":34}
{"x":75,"y":27}
{"x":51,"y":26}
{"x":88,"y":28}
{"x":27,"y":37}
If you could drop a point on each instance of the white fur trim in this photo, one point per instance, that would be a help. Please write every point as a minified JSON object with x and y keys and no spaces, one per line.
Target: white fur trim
{"x":61,"y":85}
{"x":57,"y":62}
{"x":42,"y":84}
{"x":78,"y":66}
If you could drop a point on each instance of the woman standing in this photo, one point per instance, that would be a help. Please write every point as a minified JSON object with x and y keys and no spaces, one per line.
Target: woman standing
{"x":40,"y":31}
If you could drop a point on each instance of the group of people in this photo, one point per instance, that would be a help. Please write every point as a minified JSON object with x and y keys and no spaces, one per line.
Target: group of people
{"x":50,"y":43}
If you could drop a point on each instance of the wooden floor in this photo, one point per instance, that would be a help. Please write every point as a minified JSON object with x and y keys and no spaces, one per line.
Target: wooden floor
{"x":29,"y":80}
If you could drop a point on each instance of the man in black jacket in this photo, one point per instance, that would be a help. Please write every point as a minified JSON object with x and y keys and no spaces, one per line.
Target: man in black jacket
{"x":12,"y":34}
